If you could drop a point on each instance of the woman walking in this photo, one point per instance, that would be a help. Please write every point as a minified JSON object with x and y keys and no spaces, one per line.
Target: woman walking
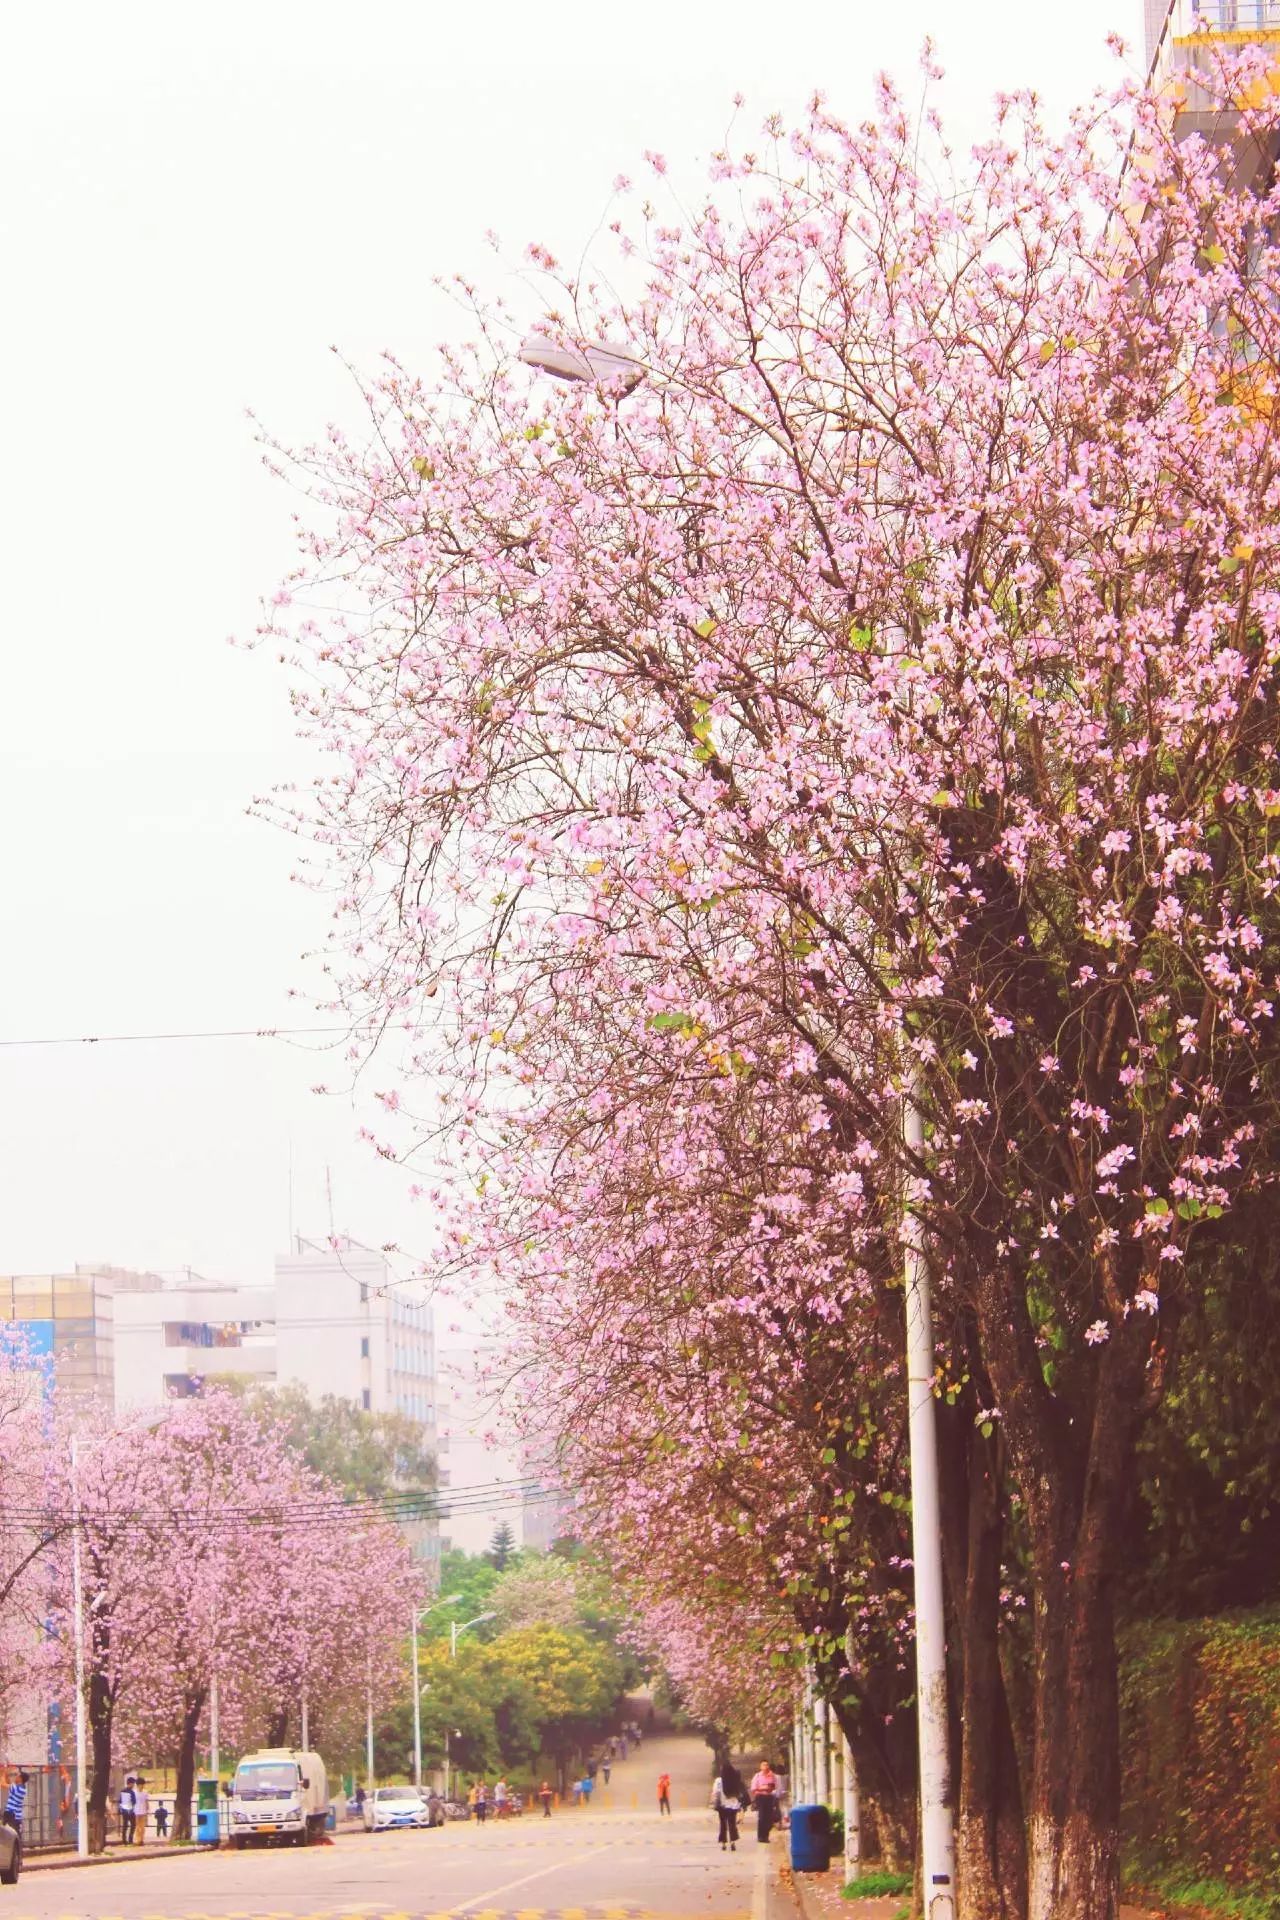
{"x":727,"y":1797}
{"x":764,"y":1794}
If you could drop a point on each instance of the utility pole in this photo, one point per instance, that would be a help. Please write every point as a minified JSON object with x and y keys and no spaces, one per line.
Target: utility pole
{"x":417,"y":1710}
{"x":368,"y":1724}
{"x":936,"y":1825}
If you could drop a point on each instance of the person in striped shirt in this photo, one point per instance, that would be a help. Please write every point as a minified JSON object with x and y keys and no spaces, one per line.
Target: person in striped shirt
{"x":16,"y":1803}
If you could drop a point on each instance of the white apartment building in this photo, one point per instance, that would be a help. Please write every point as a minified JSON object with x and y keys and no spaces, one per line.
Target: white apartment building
{"x":168,"y":1344}
{"x":335,"y":1320}
{"x":346,"y":1325}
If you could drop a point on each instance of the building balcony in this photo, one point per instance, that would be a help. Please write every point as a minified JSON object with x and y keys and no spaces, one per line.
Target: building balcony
{"x":1196,"y":33}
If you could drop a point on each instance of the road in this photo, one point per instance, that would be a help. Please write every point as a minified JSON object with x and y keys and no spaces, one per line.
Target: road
{"x":615,"y":1861}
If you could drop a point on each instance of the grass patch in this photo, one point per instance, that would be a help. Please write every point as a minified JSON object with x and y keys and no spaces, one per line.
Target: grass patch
{"x":1213,"y":1896}
{"x":869,"y":1886}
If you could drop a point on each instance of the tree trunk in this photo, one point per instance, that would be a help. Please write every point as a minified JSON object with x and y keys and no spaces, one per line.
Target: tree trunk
{"x":1075,"y":1794}
{"x":278,"y":1727}
{"x":991,"y":1859}
{"x":1070,"y":1470}
{"x":101,"y":1714}
{"x":185,"y":1781}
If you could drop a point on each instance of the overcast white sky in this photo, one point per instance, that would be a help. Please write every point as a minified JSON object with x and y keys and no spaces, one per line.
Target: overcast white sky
{"x":199,"y":200}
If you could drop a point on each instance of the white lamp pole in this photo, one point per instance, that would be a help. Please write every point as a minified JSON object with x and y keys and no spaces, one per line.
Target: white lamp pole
{"x":852,"y":1812}
{"x":77,"y":1585}
{"x":420,"y":1614}
{"x":936,"y":1826}
{"x":368,"y":1723}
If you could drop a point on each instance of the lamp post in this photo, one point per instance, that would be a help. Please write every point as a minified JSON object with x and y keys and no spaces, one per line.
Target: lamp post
{"x":419,"y":1615}
{"x":77,"y":1585}
{"x":456,"y":1631}
{"x":937,"y":1835}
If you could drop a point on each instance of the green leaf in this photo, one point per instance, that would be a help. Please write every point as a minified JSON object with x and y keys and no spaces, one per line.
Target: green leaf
{"x":1157,"y":1206}
{"x":1214,"y":256}
{"x":705,"y":628}
{"x":672,"y":1022}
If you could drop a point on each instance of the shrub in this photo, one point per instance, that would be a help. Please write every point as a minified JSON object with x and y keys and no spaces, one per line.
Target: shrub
{"x":1200,"y":1706}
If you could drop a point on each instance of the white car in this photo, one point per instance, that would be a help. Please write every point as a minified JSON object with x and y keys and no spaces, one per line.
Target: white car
{"x":395,"y":1807}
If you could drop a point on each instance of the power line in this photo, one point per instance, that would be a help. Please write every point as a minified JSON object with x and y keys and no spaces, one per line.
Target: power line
{"x":136,"y":1039}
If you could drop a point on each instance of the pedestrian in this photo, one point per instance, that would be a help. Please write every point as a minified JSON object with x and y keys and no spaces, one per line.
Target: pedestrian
{"x":15,"y":1805}
{"x":359,"y":1800}
{"x":141,"y":1808}
{"x":546,"y":1796}
{"x":664,"y":1793}
{"x":764,"y":1796}
{"x":482,"y":1801}
{"x":162,"y":1820}
{"x":606,"y":1768}
{"x":588,"y":1788}
{"x":125,"y":1808}
{"x":471,"y":1798}
{"x":727,"y":1797}
{"x":501,"y":1799}
{"x":622,"y":1747}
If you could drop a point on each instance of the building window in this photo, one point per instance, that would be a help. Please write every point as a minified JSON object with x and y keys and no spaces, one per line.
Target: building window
{"x":364,"y":1346}
{"x":366,"y":1400}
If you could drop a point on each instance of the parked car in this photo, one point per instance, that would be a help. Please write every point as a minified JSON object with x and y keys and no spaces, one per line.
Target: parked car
{"x":10,"y":1856}
{"x":395,"y":1807}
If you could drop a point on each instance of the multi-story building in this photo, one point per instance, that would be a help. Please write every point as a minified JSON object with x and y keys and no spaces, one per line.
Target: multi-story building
{"x":1183,"y":37}
{"x":482,"y":1451}
{"x":346,"y":1325}
{"x":71,"y":1317}
{"x":335,"y":1320}
{"x":168,"y":1345}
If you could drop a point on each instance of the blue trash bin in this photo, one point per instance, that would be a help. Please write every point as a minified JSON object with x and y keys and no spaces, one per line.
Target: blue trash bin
{"x":331,"y":1819}
{"x":207,"y":1826}
{"x":810,"y":1839}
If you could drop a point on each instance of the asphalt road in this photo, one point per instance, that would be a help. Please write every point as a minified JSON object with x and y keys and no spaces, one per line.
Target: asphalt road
{"x":616,"y":1860}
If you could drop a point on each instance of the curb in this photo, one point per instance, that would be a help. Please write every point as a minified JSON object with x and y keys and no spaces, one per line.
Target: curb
{"x":69,"y":1863}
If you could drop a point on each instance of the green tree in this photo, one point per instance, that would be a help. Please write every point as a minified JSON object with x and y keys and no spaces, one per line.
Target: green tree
{"x":502,"y":1547}
{"x":575,"y":1681}
{"x":371,"y":1456}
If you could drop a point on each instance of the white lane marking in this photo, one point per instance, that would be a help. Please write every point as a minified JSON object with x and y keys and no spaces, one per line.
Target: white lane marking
{"x":558,"y":1866}
{"x":760,"y":1884}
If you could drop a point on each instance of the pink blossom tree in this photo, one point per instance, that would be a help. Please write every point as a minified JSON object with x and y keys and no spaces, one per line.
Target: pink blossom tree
{"x":880,"y":701}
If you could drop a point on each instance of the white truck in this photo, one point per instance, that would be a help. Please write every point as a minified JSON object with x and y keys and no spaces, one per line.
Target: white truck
{"x":279,"y":1794}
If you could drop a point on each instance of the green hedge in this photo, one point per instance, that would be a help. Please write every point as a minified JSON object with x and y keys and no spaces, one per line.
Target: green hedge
{"x":1200,"y":1707}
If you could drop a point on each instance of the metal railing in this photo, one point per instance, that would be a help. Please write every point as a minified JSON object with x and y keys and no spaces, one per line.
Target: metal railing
{"x":1228,"y":16}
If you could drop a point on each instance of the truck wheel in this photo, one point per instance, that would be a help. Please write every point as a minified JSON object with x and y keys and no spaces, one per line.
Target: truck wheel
{"x":9,"y":1875}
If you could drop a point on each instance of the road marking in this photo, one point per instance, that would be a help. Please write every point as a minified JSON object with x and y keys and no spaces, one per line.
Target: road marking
{"x":558,"y":1866}
{"x":760,"y":1884}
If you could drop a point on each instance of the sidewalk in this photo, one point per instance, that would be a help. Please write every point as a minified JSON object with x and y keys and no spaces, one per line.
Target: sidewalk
{"x":818,"y":1897}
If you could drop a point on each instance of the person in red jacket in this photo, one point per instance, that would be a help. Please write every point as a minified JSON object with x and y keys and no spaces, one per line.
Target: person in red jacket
{"x":664,"y":1793}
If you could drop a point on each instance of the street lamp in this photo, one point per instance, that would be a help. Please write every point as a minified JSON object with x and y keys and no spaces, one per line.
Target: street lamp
{"x":455,"y":1630}
{"x":596,"y":361}
{"x":420,"y":1614}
